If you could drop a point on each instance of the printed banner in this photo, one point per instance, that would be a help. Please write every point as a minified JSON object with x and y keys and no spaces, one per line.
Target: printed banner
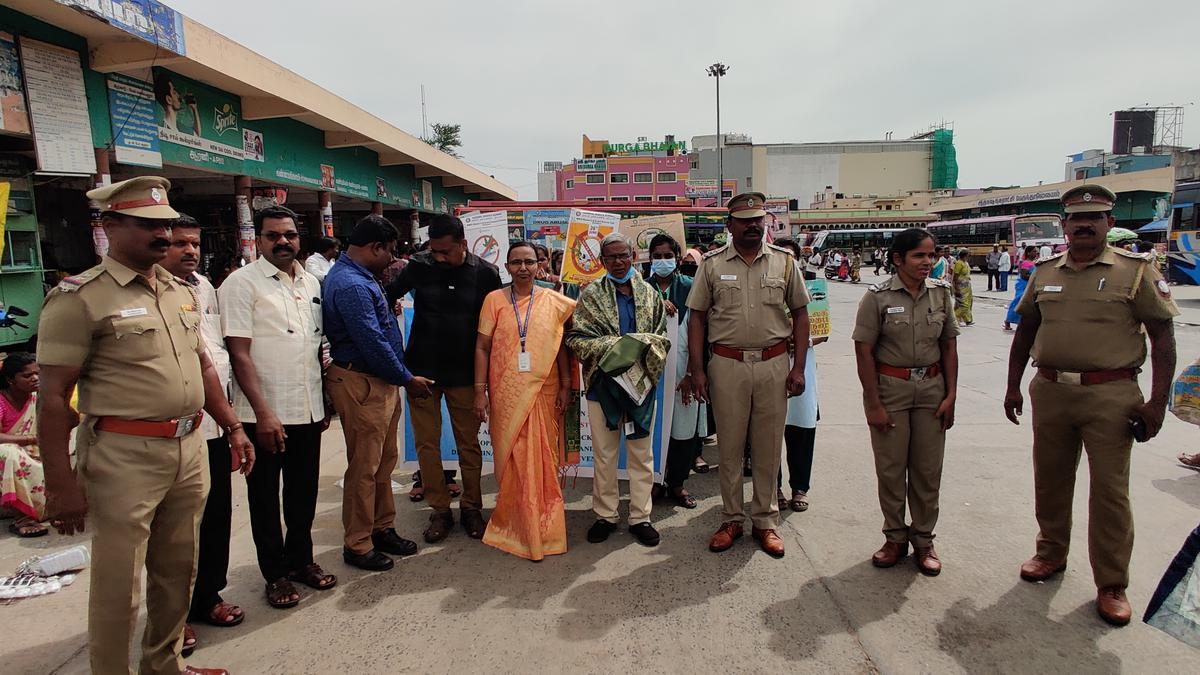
{"x":135,"y":129}
{"x":818,"y":308}
{"x":252,"y":146}
{"x":58,"y":109}
{"x":149,"y":20}
{"x":487,"y":237}
{"x":585,"y":231}
{"x":14,"y":115}
{"x":779,"y":219}
{"x":197,"y":124}
{"x":643,"y":229}
{"x":5,"y":188}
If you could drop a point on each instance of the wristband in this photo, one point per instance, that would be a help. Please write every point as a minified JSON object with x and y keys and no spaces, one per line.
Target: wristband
{"x":233,"y":427}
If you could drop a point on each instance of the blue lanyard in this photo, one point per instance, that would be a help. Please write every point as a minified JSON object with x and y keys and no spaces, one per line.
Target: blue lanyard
{"x":522,"y":330}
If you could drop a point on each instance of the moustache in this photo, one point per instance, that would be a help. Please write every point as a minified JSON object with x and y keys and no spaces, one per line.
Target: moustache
{"x":189,"y":258}
{"x":753,"y":230}
{"x":1085,"y":230}
{"x":283,"y":249}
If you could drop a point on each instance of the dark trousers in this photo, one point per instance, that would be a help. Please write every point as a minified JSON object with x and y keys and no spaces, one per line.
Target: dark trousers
{"x":680,"y":457}
{"x":300,"y":466}
{"x":993,"y":278}
{"x":799,"y":442}
{"x":212,"y":560}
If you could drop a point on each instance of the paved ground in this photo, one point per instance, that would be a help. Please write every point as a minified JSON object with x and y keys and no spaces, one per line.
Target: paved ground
{"x":461,"y":607}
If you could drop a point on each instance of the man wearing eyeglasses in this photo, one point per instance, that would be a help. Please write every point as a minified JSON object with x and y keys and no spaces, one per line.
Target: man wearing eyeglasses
{"x":271,"y":318}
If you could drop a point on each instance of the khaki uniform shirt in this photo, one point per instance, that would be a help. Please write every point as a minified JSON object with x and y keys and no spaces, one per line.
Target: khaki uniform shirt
{"x":138,"y":347}
{"x":1091,"y":318}
{"x":749,"y":306}
{"x":906,"y":331}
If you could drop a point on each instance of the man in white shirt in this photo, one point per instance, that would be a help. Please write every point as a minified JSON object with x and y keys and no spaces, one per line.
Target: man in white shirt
{"x":325,"y":252}
{"x":271,"y":315}
{"x":212,"y":560}
{"x":1004,"y":268}
{"x":1046,"y":251}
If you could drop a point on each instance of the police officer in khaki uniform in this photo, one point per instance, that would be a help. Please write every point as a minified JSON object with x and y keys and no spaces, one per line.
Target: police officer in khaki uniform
{"x":752,"y":298}
{"x":128,"y":333}
{"x":1085,"y":316}
{"x":906,"y":344}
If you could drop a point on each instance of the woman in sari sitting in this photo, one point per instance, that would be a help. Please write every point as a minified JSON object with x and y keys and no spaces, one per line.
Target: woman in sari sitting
{"x":522,"y":387}
{"x":22,"y":486}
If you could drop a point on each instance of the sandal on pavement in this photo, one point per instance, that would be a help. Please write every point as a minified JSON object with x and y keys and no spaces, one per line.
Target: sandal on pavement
{"x":224,"y":615}
{"x":799,"y":501}
{"x":27,"y":528}
{"x":454,"y":490}
{"x":1190,"y":461}
{"x":313,"y":576}
{"x":281,"y":594}
{"x":189,"y":640}
{"x":783,"y":502}
{"x":700,"y":466}
{"x":682,"y":498}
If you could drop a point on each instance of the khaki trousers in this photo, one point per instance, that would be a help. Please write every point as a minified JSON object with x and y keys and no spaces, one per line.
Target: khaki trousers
{"x":908,"y":458}
{"x":749,"y":400}
{"x":145,"y":497}
{"x":639,"y":463}
{"x":426,"y":414}
{"x":370,"y":412}
{"x":1067,"y":417}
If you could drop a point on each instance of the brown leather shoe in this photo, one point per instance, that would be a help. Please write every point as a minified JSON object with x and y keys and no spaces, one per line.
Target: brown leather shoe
{"x":1040,"y":569}
{"x":725,"y":536}
{"x":1113,"y":606}
{"x":769,"y":541}
{"x":927,"y":560}
{"x":889,"y":554}
{"x":204,"y":671}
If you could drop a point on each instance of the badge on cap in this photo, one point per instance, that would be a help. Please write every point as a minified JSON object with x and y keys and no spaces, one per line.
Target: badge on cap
{"x":1163,"y":289}
{"x":1087,"y":196}
{"x":155,"y":195}
{"x":750,"y":201}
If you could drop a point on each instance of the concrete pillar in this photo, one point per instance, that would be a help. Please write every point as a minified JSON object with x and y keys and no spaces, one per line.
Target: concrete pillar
{"x":325,"y":200}
{"x":102,"y":178}
{"x":377,"y":208}
{"x":245,"y":219}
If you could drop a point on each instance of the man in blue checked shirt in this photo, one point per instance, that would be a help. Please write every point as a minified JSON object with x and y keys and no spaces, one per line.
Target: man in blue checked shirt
{"x":363,"y":382}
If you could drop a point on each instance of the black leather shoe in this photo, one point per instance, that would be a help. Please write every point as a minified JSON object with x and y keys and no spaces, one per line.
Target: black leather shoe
{"x":372,"y":561}
{"x":473,"y":523}
{"x":439,"y":528}
{"x":600,"y":530}
{"x":390,"y":542}
{"x":645,"y":534}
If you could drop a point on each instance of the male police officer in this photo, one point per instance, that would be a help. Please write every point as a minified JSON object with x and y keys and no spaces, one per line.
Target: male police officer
{"x":129,"y":334}
{"x":1086,"y":315}
{"x":752,"y":297}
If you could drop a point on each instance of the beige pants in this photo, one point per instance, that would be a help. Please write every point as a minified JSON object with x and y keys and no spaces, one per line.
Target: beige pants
{"x":1066,"y":418}
{"x":145,"y":497}
{"x":370,"y":412}
{"x":908,"y":459}
{"x":749,"y":400}
{"x":426,"y":415}
{"x":639,"y":462}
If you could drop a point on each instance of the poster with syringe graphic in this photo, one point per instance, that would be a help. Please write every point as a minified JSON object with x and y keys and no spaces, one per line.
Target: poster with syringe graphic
{"x":487,"y":237}
{"x":585,"y":231}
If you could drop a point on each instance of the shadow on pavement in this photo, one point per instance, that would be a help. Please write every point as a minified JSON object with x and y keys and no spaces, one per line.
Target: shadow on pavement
{"x":1185,"y":488}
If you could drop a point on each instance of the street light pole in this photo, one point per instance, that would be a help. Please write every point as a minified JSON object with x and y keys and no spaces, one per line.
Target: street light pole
{"x":718,"y":70}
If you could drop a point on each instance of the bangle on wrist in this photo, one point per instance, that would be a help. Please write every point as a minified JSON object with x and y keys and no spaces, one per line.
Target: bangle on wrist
{"x":233,"y":427}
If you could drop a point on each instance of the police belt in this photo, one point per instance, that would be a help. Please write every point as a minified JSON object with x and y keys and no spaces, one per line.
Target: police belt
{"x":176,"y":428}
{"x":908,"y":373}
{"x":1088,"y":378}
{"x":736,"y":354}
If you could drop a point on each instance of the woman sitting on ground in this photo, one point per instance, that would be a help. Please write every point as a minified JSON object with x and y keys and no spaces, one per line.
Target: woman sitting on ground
{"x":22,"y":485}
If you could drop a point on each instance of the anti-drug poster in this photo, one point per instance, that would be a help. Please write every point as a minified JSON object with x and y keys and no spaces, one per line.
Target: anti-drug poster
{"x":818,"y":308}
{"x":487,"y":237}
{"x":665,"y":405}
{"x":642,"y":231}
{"x":585,"y":231}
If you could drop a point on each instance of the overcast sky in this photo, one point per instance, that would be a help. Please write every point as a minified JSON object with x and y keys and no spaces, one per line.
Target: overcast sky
{"x":1024,"y":83}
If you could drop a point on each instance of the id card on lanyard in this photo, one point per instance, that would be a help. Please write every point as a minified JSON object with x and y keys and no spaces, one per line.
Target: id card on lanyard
{"x":523,"y":362}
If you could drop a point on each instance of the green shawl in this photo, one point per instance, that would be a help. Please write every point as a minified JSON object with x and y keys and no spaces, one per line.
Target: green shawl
{"x":596,"y":327}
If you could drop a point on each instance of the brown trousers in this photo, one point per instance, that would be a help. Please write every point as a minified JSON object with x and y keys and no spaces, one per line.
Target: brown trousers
{"x":145,"y":497}
{"x":426,"y":416}
{"x":908,"y":458}
{"x":1066,"y":418}
{"x":370,"y":412}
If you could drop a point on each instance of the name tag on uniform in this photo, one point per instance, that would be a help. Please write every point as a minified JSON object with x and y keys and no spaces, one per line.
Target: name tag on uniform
{"x":1052,"y":289}
{"x":895,"y":310}
{"x":523,"y":363}
{"x":728,"y":277}
{"x":630,"y":428}
{"x":136,"y":311}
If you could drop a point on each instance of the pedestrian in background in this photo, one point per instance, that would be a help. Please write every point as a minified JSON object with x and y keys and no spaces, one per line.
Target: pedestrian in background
{"x":1085,"y":318}
{"x":962,"y":289}
{"x":878,"y":256}
{"x":992,"y":263}
{"x":1024,"y":271}
{"x":363,"y":382}
{"x":1004,"y":269}
{"x":323,"y":255}
{"x":855,"y":265}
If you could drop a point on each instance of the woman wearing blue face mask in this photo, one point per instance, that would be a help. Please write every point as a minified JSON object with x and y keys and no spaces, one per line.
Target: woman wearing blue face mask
{"x":689,"y":423}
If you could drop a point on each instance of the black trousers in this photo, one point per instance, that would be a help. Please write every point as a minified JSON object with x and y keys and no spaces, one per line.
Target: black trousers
{"x":680,"y":457}
{"x":799,"y":442}
{"x":212,"y":560}
{"x":300,"y":466}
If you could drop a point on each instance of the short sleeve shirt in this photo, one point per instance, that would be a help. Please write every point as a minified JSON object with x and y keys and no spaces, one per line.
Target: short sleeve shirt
{"x":907,"y":332}
{"x":1091,"y":318}
{"x":749,"y":305}
{"x":138,"y":346}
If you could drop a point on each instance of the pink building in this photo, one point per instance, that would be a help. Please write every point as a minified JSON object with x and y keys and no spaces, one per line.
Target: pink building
{"x":625,"y":173}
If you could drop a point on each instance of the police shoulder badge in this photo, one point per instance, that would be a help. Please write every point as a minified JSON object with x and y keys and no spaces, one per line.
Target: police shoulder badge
{"x":1163,"y":289}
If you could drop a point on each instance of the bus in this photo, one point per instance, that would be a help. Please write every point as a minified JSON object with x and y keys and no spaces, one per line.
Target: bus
{"x":979,"y":235}
{"x":1183,"y":236}
{"x":847,"y":240}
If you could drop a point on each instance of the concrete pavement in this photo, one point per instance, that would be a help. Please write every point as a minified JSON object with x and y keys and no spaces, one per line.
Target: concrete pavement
{"x":616,"y":606}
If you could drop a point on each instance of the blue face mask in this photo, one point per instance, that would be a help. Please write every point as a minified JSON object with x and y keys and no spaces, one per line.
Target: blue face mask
{"x":663,"y":268}
{"x":621,"y":280}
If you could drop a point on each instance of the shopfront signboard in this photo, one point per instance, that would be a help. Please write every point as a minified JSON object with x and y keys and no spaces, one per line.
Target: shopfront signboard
{"x":149,"y":20}
{"x":135,"y":129}
{"x":58,"y":109}
{"x":590,"y":165}
{"x":198,"y":125}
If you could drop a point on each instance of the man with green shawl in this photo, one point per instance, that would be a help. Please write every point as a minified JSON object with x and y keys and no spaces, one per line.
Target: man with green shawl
{"x":619,"y":333}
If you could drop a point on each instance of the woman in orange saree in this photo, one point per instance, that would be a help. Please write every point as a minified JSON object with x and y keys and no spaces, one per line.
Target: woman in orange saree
{"x":522,"y":386}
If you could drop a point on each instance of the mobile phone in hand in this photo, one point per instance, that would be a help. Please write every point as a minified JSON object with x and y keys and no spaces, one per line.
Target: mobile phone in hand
{"x":1137,"y":426}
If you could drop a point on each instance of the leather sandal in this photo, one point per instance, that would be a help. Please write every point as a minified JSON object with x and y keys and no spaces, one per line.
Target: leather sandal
{"x":683,"y":498}
{"x":313,"y":576}
{"x":216,"y":615}
{"x":189,"y":640}
{"x":799,"y":502}
{"x":280,"y":592}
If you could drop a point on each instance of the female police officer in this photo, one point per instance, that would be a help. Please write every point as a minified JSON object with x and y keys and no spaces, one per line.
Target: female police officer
{"x":905,"y":343}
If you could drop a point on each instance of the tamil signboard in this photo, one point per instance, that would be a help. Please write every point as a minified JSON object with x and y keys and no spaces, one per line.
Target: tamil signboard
{"x":151,"y":21}
{"x":58,"y":110}
{"x":700,"y":188}
{"x":135,"y":128}
{"x":590,"y":165}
